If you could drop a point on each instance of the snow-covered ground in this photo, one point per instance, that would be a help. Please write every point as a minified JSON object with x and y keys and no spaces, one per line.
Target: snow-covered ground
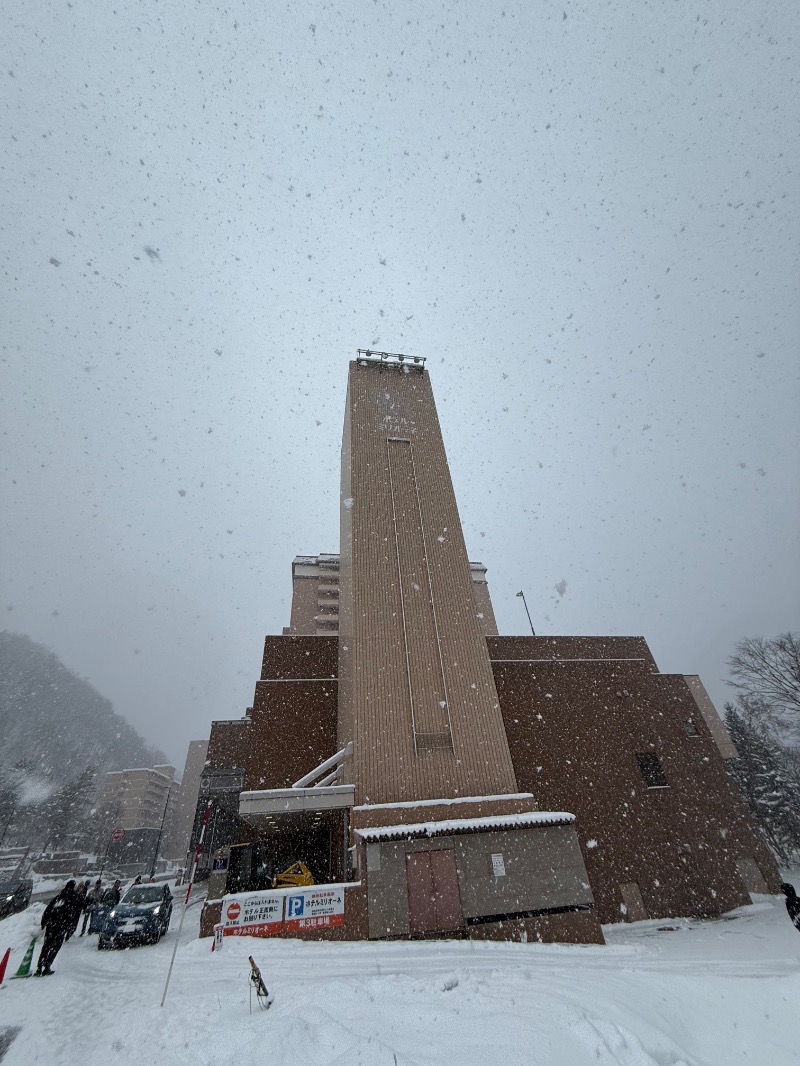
{"x":663,"y":992}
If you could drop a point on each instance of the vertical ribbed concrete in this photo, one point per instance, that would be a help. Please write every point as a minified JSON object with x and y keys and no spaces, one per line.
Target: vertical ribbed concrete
{"x":416,"y":693}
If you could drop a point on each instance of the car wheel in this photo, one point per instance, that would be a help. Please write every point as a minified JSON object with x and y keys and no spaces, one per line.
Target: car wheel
{"x":101,"y":944}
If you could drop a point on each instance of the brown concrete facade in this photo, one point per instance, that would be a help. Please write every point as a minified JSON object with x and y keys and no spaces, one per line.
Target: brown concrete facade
{"x":578,"y":712}
{"x":464,"y":783}
{"x":417,"y":695}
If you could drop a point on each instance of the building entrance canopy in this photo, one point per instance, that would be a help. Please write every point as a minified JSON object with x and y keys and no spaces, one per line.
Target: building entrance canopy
{"x":286,"y":800}
{"x":273,"y":809}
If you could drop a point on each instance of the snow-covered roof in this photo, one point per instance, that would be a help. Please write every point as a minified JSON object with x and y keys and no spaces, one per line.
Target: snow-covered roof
{"x":446,"y":801}
{"x":446,"y":826}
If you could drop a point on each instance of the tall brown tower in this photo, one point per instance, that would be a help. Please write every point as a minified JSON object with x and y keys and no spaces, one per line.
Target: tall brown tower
{"x":416,"y":691}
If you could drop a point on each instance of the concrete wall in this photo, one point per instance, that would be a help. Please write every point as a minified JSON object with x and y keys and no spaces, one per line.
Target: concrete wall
{"x":544,"y":870}
{"x":183,"y":803}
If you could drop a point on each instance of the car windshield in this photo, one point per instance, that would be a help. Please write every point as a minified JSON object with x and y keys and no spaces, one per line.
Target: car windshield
{"x":144,"y":894}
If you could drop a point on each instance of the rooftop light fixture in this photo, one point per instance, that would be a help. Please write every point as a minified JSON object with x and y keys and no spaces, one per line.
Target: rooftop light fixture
{"x":365,"y":356}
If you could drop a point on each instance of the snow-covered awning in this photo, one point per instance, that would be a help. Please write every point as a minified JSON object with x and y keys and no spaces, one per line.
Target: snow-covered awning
{"x":448,"y":826}
{"x":295,"y":800}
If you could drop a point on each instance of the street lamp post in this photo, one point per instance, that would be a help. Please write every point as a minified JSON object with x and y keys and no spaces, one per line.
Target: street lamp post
{"x":160,"y":832}
{"x":527,"y":612}
{"x":114,"y":835}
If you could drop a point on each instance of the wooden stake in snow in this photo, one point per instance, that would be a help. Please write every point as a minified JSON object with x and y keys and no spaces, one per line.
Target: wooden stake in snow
{"x":198,"y":849}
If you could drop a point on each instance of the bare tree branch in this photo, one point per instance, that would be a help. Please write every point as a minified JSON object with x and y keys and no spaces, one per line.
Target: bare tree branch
{"x":769,"y":670}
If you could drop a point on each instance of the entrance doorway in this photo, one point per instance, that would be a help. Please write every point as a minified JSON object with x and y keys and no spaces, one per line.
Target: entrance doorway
{"x":434,"y":901}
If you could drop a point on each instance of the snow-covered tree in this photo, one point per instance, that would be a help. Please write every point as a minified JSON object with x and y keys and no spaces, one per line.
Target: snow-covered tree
{"x":765,"y":776}
{"x":64,"y":818}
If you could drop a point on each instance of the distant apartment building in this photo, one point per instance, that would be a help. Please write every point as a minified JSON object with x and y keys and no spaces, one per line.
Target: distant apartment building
{"x":134,"y":801}
{"x":315,"y":597}
{"x":137,"y":796}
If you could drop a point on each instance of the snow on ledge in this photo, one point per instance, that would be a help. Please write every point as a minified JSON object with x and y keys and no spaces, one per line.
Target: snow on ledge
{"x":466,"y":825}
{"x":446,"y":801}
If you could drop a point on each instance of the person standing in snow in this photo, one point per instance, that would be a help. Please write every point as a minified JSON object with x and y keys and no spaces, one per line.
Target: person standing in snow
{"x":92,"y":900}
{"x":77,"y":908}
{"x":55,"y":922}
{"x":112,"y":896}
{"x":792,"y":904}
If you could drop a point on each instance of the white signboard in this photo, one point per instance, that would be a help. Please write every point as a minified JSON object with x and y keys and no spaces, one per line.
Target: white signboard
{"x":252,"y":914}
{"x":498,"y":866}
{"x":314,"y":907}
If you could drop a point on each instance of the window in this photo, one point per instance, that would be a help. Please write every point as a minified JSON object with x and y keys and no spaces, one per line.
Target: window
{"x":690,"y":729}
{"x":650,"y":766}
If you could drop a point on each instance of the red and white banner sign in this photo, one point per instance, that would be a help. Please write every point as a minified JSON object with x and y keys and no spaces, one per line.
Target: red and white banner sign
{"x":253,"y":914}
{"x":314,"y":907}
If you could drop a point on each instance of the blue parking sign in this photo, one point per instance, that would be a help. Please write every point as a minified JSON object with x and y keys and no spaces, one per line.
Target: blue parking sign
{"x":294,"y":906}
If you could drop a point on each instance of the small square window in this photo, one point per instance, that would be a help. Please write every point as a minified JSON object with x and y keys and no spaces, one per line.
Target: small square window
{"x":690,"y":729}
{"x":650,"y":766}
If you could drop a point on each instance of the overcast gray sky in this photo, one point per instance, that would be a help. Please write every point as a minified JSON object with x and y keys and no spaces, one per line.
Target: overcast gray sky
{"x":584,"y":214}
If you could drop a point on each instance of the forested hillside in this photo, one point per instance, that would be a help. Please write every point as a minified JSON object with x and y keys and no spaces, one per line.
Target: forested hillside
{"x":54,"y":724}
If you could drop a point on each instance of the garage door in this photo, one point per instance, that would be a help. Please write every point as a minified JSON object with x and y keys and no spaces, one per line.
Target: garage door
{"x":434,"y":901}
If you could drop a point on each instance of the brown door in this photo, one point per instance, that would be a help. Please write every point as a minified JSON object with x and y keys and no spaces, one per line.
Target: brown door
{"x":434,"y":902}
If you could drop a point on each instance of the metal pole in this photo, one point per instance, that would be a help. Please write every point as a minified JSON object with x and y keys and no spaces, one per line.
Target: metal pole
{"x":108,"y":848}
{"x":527,"y":612}
{"x":186,"y":899}
{"x":160,"y":832}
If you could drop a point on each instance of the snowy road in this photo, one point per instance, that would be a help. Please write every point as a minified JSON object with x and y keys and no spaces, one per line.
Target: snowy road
{"x":718,"y":993}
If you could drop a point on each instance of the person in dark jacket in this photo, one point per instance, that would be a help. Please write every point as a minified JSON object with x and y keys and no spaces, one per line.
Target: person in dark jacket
{"x":113,"y":895}
{"x":92,"y":899}
{"x":792,"y":904}
{"x":77,"y":907}
{"x":55,"y":922}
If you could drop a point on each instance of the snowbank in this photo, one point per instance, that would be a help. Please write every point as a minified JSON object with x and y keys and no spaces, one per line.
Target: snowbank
{"x":715,"y":992}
